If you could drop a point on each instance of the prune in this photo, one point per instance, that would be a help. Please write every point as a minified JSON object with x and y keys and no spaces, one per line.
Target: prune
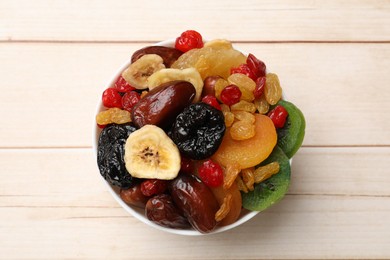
{"x":198,"y":131}
{"x":161,"y":210}
{"x":196,"y":200}
{"x":110,"y":158}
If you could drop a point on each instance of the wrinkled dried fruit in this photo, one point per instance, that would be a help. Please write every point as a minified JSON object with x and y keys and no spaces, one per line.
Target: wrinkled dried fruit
{"x":113,"y":115}
{"x":261,"y":105}
{"x":264,"y":172}
{"x":111,"y":146}
{"x":198,"y":131}
{"x":244,"y":106}
{"x":245,"y":84}
{"x":224,"y":209}
{"x":242,"y":130}
{"x":235,"y":204}
{"x":210,"y":61}
{"x":272,"y":89}
{"x":244,"y":116}
{"x":257,"y":66}
{"x":112,"y":98}
{"x":248,"y":176}
{"x":231,"y":172}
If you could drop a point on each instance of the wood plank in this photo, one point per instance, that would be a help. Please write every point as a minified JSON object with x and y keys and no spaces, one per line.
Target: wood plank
{"x":300,"y":227}
{"x":69,"y":177}
{"x":269,"y":20}
{"x":341,"y":88}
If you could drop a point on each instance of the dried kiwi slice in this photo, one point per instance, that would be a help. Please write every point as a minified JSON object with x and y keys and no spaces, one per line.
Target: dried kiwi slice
{"x":290,"y":137}
{"x":270,"y":191}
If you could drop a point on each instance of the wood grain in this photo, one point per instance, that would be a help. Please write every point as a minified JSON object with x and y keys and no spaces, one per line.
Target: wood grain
{"x":60,"y":85}
{"x":56,"y":58}
{"x":304,"y":227}
{"x":252,"y":20}
{"x":333,"y":208}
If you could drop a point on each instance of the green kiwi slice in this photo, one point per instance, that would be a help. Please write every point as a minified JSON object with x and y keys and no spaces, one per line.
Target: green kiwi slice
{"x":290,"y":137}
{"x":270,"y":191}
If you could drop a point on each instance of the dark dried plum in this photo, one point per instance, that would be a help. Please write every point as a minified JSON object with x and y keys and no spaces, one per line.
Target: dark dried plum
{"x":198,"y":131}
{"x":110,"y":157}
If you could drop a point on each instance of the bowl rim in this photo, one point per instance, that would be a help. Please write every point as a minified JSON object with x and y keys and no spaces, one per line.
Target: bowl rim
{"x":245,"y":216}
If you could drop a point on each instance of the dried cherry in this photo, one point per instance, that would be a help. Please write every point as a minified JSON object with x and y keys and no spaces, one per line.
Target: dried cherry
{"x":198,"y":131}
{"x":110,"y":157}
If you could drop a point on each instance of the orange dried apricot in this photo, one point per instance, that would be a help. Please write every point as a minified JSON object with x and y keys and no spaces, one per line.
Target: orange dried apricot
{"x":250,"y":152}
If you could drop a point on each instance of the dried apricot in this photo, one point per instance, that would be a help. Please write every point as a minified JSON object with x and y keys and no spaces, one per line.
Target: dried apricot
{"x":250,"y":152}
{"x":210,"y":61}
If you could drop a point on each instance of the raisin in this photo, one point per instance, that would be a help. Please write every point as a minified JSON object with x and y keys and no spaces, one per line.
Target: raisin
{"x":113,"y":115}
{"x":110,"y":157}
{"x":198,"y":131}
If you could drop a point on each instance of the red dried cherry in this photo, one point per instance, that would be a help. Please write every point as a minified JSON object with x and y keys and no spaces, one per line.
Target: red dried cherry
{"x":257,"y":66}
{"x":112,"y":98}
{"x":278,"y":116}
{"x":129,"y":99}
{"x":212,"y":101}
{"x":122,"y":86}
{"x":211,"y":173}
{"x":244,"y":69}
{"x":230,"y":95}
{"x":259,"y":89}
{"x":189,"y":40}
{"x":152,"y":187}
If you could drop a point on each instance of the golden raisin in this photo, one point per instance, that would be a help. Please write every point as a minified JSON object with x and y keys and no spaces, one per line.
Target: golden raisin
{"x":245,"y":84}
{"x":261,"y":105}
{"x":224,"y":209}
{"x":241,"y":185}
{"x":244,"y":106}
{"x":242,"y":130}
{"x":229,"y":118}
{"x":272,"y":89}
{"x":231,"y":173}
{"x":113,"y":115}
{"x":264,"y":172}
{"x":248,"y":177}
{"x":244,"y":116}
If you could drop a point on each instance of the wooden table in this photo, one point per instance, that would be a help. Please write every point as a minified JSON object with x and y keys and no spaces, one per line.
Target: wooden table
{"x":333,"y":60}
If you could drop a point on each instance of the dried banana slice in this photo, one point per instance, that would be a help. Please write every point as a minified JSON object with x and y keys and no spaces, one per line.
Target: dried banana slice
{"x":151,"y":154}
{"x":190,"y":74}
{"x":139,"y":71}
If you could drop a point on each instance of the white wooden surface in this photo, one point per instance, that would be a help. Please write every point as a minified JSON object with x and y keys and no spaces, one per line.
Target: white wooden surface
{"x":333,"y":59}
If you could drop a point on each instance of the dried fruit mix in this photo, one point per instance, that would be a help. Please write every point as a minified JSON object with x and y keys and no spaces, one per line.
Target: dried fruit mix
{"x":197,"y":131}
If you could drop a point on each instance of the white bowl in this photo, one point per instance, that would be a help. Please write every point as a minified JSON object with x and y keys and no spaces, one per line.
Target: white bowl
{"x":139,"y":213}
